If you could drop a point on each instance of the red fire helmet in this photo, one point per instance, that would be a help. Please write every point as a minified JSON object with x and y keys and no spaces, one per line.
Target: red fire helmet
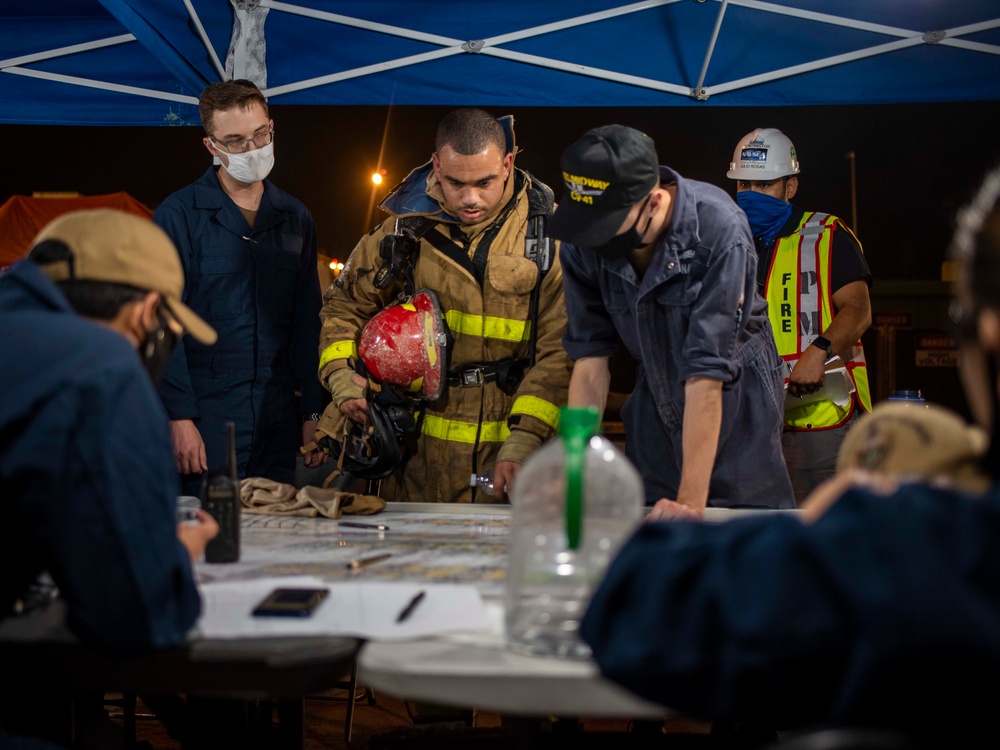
{"x":406,"y":345}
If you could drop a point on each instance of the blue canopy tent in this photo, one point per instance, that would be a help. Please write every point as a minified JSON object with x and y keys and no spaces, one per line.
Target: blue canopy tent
{"x":144,"y":62}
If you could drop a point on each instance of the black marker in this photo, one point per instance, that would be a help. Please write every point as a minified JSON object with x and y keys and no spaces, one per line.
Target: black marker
{"x":410,"y":606}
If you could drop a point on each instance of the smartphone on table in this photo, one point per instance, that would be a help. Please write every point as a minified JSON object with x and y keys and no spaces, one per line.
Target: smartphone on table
{"x":291,"y":602}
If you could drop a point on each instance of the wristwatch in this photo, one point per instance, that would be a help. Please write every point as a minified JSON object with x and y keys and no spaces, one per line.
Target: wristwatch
{"x":822,"y":342}
{"x":311,"y":417}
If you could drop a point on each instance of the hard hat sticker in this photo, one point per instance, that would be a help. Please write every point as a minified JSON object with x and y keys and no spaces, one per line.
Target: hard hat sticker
{"x":758,"y":155}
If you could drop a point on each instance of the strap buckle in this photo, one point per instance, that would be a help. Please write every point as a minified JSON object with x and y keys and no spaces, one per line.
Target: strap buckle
{"x":472,"y":376}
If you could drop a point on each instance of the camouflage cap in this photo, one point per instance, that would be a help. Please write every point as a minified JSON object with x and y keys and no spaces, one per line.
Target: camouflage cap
{"x":916,"y":442}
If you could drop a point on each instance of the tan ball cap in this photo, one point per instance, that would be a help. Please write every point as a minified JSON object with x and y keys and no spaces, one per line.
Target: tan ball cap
{"x":110,"y":245}
{"x":916,"y":442}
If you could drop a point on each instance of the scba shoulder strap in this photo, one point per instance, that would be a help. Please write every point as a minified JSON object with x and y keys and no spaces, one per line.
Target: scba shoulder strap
{"x":399,"y":252}
{"x":537,"y":243}
{"x":541,"y":199}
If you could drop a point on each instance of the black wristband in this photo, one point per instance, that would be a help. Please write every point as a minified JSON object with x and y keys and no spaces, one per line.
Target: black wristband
{"x":822,"y":342}
{"x":311,"y":417}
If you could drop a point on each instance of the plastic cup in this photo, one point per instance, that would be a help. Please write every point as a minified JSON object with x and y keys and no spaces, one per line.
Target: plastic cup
{"x":187,"y":508}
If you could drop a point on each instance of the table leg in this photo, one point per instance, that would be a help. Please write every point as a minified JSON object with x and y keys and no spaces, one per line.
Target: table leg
{"x":291,"y":723}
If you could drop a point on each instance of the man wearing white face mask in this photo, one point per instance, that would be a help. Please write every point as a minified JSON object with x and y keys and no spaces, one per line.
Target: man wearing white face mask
{"x":812,"y":273}
{"x":249,"y":255}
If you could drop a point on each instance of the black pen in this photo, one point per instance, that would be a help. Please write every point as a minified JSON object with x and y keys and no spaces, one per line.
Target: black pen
{"x":359,"y":525}
{"x":410,"y":606}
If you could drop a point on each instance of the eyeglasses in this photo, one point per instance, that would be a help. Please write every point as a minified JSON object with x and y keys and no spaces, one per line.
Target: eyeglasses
{"x":243,"y":145}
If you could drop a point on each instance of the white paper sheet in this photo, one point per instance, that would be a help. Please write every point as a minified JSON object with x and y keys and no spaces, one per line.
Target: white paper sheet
{"x":364,"y":609}
{"x":837,"y":387}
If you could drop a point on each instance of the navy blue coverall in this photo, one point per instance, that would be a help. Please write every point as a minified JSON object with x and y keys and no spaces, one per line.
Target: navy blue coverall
{"x":695,"y":312}
{"x":259,"y":289}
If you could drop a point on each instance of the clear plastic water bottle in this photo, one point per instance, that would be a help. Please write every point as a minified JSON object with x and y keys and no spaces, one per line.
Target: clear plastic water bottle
{"x":187,"y":509}
{"x":484,"y":484}
{"x":575,"y":501}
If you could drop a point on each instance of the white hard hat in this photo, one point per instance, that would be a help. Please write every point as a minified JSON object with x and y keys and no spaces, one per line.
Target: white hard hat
{"x":763,"y":154}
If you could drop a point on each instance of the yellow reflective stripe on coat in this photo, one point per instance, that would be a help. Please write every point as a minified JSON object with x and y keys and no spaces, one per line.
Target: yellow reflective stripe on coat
{"x":337,"y":350}
{"x":464,"y":432}
{"x":539,"y":408}
{"x":506,"y":329}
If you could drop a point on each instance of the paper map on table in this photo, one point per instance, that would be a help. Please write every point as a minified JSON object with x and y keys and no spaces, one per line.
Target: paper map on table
{"x":424,"y":547}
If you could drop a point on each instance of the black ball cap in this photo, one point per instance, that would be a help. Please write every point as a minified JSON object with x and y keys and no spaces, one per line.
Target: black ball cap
{"x":606,"y":172}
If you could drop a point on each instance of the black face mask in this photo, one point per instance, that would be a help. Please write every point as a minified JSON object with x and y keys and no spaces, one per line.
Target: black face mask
{"x":622,"y":244}
{"x":156,"y":348}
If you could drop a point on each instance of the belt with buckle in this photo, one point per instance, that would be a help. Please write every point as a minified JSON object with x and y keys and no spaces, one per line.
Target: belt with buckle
{"x":506,"y":373}
{"x":471,"y":376}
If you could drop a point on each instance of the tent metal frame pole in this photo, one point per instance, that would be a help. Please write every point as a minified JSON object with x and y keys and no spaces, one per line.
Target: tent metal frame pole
{"x":486,"y":47}
{"x":912,"y":39}
{"x":809,"y":15}
{"x":357,"y":23}
{"x":364,"y":71}
{"x":216,"y":62}
{"x":89,"y":83}
{"x":71,"y":50}
{"x":698,"y":91}
{"x":950,"y":41}
{"x":851,"y":23}
{"x":909,"y":38}
{"x":491,"y":46}
{"x":569,"y":23}
{"x":491,"y":49}
{"x":815,"y":65}
{"x":521,"y":57}
{"x":420,"y":36}
{"x":585,"y":70}
{"x":990,"y":49}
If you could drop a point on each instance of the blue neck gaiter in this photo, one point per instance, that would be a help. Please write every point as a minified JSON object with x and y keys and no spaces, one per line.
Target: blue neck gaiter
{"x":765,"y":213}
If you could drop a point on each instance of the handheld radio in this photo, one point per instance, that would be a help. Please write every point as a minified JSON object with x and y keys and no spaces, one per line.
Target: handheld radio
{"x":221,"y":499}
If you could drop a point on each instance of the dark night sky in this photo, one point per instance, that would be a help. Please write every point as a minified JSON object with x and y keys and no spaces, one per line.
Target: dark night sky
{"x":915,"y":164}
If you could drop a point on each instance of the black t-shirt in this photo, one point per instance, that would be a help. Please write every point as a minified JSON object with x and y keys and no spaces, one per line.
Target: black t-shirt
{"x":847,"y":263}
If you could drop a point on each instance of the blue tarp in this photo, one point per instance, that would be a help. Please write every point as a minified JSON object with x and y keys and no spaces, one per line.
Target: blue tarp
{"x":566,"y":53}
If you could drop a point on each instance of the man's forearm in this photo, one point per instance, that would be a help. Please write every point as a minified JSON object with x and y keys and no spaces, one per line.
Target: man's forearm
{"x":700,"y":439}
{"x":588,"y":386}
{"x":852,"y":316}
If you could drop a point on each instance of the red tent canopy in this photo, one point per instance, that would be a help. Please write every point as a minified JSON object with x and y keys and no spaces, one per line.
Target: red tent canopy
{"x":21,"y":217}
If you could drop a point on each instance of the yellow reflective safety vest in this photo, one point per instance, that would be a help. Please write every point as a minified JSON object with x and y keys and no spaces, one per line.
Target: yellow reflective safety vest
{"x":800,"y":307}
